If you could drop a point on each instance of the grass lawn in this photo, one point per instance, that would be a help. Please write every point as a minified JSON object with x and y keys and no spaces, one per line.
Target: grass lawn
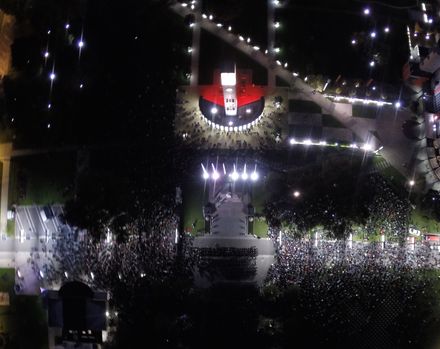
{"x":10,"y":227}
{"x":7,"y":279}
{"x":193,"y":201}
{"x":301,"y":106}
{"x":260,"y":228}
{"x":42,"y":179}
{"x":364,"y":111}
{"x":423,"y":222}
{"x":330,"y":121}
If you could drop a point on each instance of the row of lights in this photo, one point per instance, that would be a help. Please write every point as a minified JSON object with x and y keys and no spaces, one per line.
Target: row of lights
{"x":397,"y":104}
{"x":234,"y":175}
{"x":307,"y":142}
{"x":240,"y":37}
{"x":232,"y":128}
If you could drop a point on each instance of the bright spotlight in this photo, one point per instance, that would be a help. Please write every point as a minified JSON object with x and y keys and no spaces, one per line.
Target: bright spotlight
{"x":308,"y":141}
{"x":386,"y":29}
{"x":372,"y":64}
{"x":205,"y":175}
{"x":52,"y":76}
{"x":397,"y":105}
{"x":276,"y":25}
{"x":412,"y":182}
{"x":248,"y":110}
{"x":80,"y":44}
{"x":214,"y":110}
{"x":373,"y":34}
{"x":367,"y":11}
{"x":234,"y":175}
{"x":254,"y":176}
{"x":46,"y":54}
{"x":296,"y":194}
{"x":353,"y":42}
{"x":215,"y":175}
{"x":367,"y":147}
{"x":230,"y":123}
{"x":292,"y":141}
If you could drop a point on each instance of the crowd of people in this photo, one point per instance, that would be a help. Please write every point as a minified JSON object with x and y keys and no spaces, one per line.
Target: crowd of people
{"x":195,"y":131}
{"x":346,"y":287}
{"x":103,"y":263}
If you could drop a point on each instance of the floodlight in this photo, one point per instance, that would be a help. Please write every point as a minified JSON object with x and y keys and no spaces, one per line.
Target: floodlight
{"x":215,"y":175}
{"x":234,"y":175}
{"x":228,"y":79}
{"x":367,"y":146}
{"x":254,"y":176}
{"x":214,"y":110}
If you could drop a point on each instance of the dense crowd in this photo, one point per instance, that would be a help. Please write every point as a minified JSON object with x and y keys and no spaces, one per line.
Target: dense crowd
{"x":146,"y":254}
{"x":347,"y":287}
{"x":196,"y":132}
